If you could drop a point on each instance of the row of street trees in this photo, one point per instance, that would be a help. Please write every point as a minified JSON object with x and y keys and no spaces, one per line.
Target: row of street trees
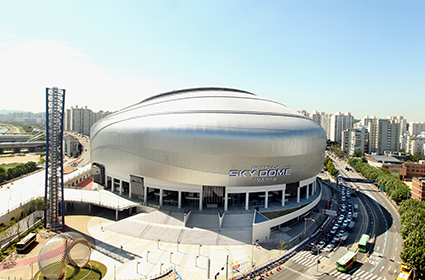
{"x":17,"y":171}
{"x":330,"y":167}
{"x":412,"y":212}
{"x":412,"y":219}
{"x":396,"y":189}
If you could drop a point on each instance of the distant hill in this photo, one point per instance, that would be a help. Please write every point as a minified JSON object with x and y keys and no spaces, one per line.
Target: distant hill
{"x":4,"y":112}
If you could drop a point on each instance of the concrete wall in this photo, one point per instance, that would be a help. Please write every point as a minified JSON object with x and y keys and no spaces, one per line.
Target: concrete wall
{"x":261,"y":231}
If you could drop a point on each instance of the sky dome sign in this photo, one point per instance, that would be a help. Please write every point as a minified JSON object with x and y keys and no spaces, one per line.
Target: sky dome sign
{"x":261,"y":173}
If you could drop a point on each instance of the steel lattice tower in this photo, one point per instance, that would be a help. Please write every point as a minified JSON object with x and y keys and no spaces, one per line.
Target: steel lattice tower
{"x":54,"y":212}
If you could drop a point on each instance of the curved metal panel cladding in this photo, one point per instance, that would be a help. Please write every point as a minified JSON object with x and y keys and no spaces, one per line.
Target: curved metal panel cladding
{"x":210,"y":136}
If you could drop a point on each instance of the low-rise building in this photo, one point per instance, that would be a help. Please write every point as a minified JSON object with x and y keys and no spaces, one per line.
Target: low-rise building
{"x":418,"y":188}
{"x":415,"y":169}
{"x":394,"y":166}
{"x":70,"y":146}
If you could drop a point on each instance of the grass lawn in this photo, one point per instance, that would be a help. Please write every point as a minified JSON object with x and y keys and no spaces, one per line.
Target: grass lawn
{"x":93,"y":270}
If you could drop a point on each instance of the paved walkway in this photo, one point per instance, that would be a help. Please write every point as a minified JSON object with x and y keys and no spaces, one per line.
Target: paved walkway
{"x":148,"y":243}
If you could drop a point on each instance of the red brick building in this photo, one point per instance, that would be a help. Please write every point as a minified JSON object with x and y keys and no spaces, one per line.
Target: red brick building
{"x":415,"y":169}
{"x":418,"y":188}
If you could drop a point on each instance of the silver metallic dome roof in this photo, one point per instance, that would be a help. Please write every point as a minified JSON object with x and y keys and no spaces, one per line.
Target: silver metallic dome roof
{"x":196,"y":136}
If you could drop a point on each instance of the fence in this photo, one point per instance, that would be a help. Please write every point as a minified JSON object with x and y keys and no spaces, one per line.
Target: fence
{"x":20,"y":228}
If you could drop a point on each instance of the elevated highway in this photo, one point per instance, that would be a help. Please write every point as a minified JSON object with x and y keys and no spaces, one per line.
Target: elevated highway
{"x":19,"y":146}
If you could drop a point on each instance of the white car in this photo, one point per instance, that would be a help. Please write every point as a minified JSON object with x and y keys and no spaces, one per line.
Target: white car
{"x":328,"y":248}
{"x":321,"y":244}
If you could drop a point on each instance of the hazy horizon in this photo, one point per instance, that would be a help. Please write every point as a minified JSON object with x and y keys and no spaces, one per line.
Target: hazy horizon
{"x":361,"y":57}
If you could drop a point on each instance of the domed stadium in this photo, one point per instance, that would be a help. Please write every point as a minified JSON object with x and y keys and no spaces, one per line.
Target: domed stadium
{"x":208,"y":147}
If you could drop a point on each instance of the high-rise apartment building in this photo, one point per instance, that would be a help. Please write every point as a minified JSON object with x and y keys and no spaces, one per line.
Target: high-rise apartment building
{"x":322,"y":119}
{"x":416,"y":128}
{"x":403,"y":123}
{"x":82,"y":119}
{"x":384,"y":135}
{"x":366,"y":120}
{"x":355,"y":139}
{"x":415,"y":146}
{"x":25,"y":117}
{"x":338,"y":123}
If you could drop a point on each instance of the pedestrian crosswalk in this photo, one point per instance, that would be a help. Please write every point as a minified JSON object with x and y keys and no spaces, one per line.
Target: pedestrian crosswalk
{"x":374,"y":258}
{"x":306,"y":258}
{"x":357,"y":275}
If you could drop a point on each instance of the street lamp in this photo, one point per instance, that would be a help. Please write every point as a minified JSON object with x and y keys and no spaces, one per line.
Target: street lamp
{"x":305,"y":225}
{"x":147,"y":256}
{"x":171,"y":253}
{"x":254,"y":244}
{"x":199,"y":249}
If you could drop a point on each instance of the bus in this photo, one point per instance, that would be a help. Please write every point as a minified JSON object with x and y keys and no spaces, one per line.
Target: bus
{"x":405,"y":272}
{"x":24,"y":243}
{"x":347,"y":261}
{"x":363,"y":242}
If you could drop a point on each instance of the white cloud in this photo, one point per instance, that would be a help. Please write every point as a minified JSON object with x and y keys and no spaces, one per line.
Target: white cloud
{"x":28,"y":67}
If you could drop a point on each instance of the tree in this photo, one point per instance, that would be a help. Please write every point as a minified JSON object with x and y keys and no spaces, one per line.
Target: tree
{"x":3,"y":174}
{"x":357,"y":153}
{"x":30,"y":166}
{"x":413,"y":252}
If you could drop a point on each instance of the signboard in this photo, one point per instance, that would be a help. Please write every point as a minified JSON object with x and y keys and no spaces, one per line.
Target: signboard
{"x":330,"y":212}
{"x":261,"y":173}
{"x":240,"y":266}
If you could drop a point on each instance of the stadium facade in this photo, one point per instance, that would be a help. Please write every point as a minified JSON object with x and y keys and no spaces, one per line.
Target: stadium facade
{"x":208,"y":147}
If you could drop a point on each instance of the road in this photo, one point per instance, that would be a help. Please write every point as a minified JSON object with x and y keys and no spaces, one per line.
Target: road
{"x":384,"y":259}
{"x":378,"y":218}
{"x":85,"y":153}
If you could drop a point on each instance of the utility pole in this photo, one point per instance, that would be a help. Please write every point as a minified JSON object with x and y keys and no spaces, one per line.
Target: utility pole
{"x":227,"y":267}
{"x":209,"y":266}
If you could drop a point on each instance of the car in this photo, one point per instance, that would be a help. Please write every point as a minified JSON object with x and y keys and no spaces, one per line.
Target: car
{"x":321,"y":244}
{"x":328,"y":248}
{"x":334,"y":230}
{"x":337,"y":238}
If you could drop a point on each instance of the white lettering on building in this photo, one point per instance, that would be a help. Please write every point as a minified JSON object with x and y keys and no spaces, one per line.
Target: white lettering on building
{"x":261,"y":173}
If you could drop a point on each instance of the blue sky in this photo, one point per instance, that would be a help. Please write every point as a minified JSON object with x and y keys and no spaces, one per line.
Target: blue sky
{"x":363,"y":57}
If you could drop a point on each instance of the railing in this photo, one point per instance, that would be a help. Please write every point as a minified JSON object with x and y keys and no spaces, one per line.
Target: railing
{"x":280,"y":260}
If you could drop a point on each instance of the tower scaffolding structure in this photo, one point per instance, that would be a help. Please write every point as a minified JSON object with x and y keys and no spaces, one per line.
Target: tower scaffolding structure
{"x":54,"y":196}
